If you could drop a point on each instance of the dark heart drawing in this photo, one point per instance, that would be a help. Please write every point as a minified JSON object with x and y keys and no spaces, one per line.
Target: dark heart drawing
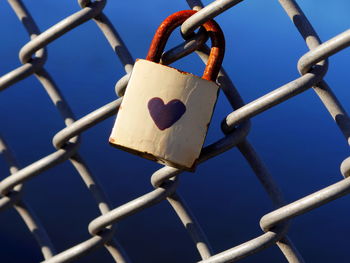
{"x":165,"y":115}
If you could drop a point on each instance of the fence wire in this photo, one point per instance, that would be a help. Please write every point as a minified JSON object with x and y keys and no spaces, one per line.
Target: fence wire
{"x":236,"y":125}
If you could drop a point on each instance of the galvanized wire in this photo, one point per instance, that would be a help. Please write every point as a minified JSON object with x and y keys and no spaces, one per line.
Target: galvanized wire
{"x":235,"y":126}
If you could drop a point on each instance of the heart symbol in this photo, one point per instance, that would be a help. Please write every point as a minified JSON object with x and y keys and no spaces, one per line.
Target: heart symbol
{"x":165,"y":115}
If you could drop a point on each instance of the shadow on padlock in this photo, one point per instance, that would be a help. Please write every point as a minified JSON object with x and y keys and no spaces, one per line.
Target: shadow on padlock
{"x":165,"y":112}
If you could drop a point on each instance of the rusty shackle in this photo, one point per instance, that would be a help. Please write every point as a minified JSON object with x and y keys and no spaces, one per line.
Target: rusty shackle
{"x":215,"y":34}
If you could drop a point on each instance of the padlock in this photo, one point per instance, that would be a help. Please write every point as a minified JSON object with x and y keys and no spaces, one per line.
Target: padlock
{"x":165,"y":112}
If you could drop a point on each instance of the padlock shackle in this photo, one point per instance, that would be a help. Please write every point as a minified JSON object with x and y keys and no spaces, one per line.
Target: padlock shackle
{"x":213,"y":29}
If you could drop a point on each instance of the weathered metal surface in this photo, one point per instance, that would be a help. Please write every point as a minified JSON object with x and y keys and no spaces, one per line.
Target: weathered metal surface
{"x":160,"y":118}
{"x":236,"y":127}
{"x":213,"y":30}
{"x":165,"y":113}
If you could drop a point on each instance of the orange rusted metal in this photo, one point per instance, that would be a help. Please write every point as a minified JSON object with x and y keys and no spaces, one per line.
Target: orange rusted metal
{"x":213,"y":29}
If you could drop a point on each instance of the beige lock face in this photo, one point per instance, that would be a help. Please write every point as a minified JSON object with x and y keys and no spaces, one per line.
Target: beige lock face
{"x":164,"y":115}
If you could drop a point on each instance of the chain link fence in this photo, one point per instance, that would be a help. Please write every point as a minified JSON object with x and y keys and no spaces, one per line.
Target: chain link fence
{"x":236,"y":125}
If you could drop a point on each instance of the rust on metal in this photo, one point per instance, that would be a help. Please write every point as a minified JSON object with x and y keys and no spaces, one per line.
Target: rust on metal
{"x":213,"y":29}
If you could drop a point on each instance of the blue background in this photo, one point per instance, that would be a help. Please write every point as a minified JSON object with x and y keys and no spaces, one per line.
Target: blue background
{"x":298,"y":139}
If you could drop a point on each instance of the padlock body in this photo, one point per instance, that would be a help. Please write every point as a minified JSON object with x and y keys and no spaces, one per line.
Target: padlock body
{"x":164,"y":115}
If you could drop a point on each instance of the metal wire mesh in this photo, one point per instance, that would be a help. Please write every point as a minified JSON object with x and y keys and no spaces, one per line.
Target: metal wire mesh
{"x":312,"y":67}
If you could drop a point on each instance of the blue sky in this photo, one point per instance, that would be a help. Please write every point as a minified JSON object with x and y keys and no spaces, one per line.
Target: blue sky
{"x":298,"y":139}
